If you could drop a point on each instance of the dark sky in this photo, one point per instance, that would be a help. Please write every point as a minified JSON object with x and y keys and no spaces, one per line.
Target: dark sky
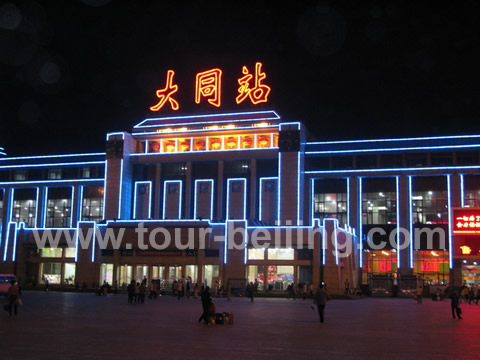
{"x":70,"y":71}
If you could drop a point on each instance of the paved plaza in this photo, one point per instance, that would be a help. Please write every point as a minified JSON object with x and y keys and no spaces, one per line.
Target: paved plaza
{"x":84,"y":326}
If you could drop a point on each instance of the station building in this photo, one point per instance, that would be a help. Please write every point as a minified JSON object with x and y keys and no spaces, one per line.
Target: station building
{"x":258,"y":172}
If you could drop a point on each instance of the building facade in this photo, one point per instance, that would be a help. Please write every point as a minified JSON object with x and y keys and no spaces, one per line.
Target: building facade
{"x":329,"y":211}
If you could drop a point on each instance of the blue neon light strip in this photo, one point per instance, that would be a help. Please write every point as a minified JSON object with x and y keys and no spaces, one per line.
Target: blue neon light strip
{"x":225,"y":242}
{"x":298,"y":188}
{"x":140,"y":126}
{"x":410,"y":219}
{"x":120,"y":186}
{"x":116,"y":134}
{"x":50,"y":156}
{"x":462,"y":190}
{"x":10,"y":205}
{"x":395,"y":139}
{"x":245,"y":249}
{"x":416,"y":148}
{"x":324,"y":243}
{"x":313,"y":172}
{"x":244,"y":180}
{"x":397,"y":183}
{"x":50,"y":182}
{"x":348,"y":201}
{"x":21,"y":225}
{"x":80,"y":204}
{"x":312,"y":210}
{"x":5,"y":251}
{"x":72,"y":207}
{"x":212,"y":182}
{"x":52,"y":165}
{"x":105,"y":190}
{"x":360,"y":221}
{"x":279,"y":221}
{"x":450,"y":239}
{"x":43,"y":220}
{"x":179,"y":196}
{"x":260,"y":207}
{"x":149,"y":183}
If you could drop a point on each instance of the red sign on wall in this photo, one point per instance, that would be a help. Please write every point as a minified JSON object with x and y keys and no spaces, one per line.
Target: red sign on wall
{"x":466,"y":221}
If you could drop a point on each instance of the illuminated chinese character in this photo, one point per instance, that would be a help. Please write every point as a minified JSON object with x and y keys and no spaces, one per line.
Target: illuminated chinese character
{"x":472,"y":218}
{"x":208,"y":84}
{"x":259,"y":92}
{"x":472,"y":224}
{"x":166,"y":93}
{"x":465,"y":218}
{"x":466,"y":250}
{"x":459,"y":225}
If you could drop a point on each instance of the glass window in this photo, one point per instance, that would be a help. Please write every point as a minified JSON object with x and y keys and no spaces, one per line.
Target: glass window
{"x":86,"y":172}
{"x":380,"y":262}
{"x":54,"y":174}
{"x":141,"y":273}
{"x":106,"y":273}
{"x":70,"y":273}
{"x":20,"y":175}
{"x":51,"y":272}
{"x":281,"y":254}
{"x":158,"y":272}
{"x":24,"y":206}
{"x":256,"y":254}
{"x":51,"y":252}
{"x":192,"y":271}
{"x":70,"y":252}
{"x":430,"y":207}
{"x":432,"y":266}
{"x":92,"y":204}
{"x":59,"y":207}
{"x":174,"y":273}
{"x":211,"y":274}
{"x":256,"y":272}
{"x":330,"y":199}
{"x":471,"y":190}
{"x":125,"y":275}
{"x":379,"y":208}
{"x":279,"y":277}
{"x":429,"y":200}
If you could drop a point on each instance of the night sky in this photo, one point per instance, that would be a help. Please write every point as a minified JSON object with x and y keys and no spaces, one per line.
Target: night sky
{"x":71,"y":71}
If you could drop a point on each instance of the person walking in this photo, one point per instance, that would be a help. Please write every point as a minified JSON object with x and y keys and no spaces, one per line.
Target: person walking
{"x":320,"y":299}
{"x":455,"y":304}
{"x":131,"y":291}
{"x":137,"y":293}
{"x":195,"y":291}
{"x":179,"y":289}
{"x":250,"y":291}
{"x":142,"y":289}
{"x":187,"y":288}
{"x":206,"y":302}
{"x":347,"y":287}
{"x":13,"y":296}
{"x":419,"y":295}
{"x":305,"y":291}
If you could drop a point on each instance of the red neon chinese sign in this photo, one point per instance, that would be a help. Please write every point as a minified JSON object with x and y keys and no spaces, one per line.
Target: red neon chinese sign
{"x":166,"y":93}
{"x":466,"y":221}
{"x":208,"y":84}
{"x":466,"y":250}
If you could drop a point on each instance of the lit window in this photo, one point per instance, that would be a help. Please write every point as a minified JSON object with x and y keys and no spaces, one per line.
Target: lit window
{"x":256,"y":254}
{"x":281,"y":254}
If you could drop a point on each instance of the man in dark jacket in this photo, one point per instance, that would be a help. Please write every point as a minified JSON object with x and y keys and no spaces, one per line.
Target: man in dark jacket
{"x":321,"y":299}
{"x":455,"y":304}
{"x":206,"y":302}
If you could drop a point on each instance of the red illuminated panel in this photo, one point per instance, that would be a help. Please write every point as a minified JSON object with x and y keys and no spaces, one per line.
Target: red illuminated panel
{"x":384,"y":266}
{"x":466,"y":221}
{"x":429,"y":266}
{"x":166,"y":93}
{"x":208,"y":84}
{"x":259,"y":92}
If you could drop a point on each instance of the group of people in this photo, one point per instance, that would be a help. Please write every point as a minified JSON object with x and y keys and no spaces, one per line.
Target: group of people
{"x":137,"y":291}
{"x":304,"y":291}
{"x":185,"y":287}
